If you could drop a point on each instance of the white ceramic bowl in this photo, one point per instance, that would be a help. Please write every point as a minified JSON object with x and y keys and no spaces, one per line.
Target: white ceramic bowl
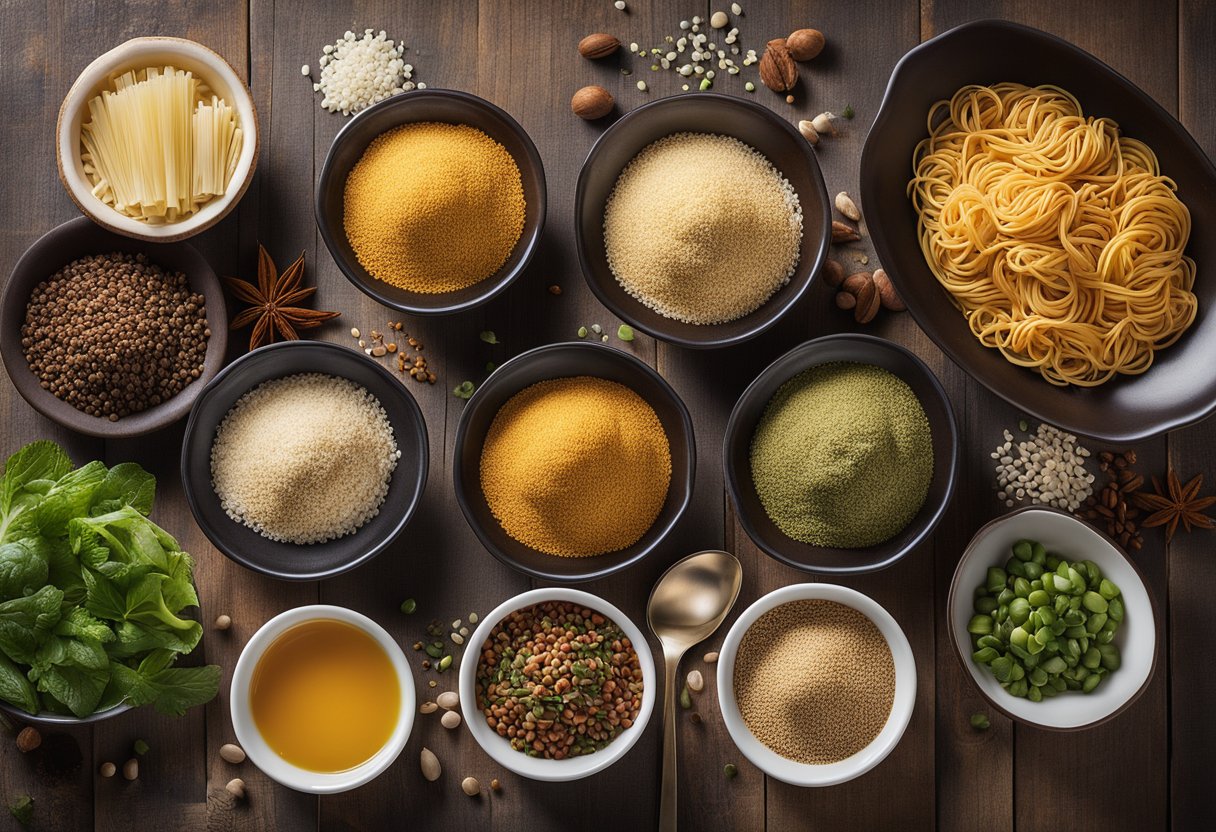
{"x":140,"y":53}
{"x":1066,"y":536}
{"x":264,"y":757}
{"x":830,"y":774}
{"x":572,"y":768}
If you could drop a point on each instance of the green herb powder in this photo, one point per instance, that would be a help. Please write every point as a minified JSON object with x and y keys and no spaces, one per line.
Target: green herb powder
{"x":843,"y":456}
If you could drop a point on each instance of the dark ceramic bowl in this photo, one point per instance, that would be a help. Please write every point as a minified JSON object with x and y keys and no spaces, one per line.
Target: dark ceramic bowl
{"x":726,"y":115}
{"x":1180,"y":387}
{"x":562,"y":361}
{"x":736,"y":447}
{"x":452,"y":107}
{"x":80,"y":238}
{"x":313,"y":561}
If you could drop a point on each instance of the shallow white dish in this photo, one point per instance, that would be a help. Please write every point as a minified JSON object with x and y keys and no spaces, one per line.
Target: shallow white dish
{"x":572,"y":768}
{"x":139,"y":53}
{"x":1073,"y":539}
{"x":804,"y":774}
{"x":264,"y":757}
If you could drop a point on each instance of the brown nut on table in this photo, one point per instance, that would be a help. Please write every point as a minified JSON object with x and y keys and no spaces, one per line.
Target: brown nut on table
{"x":868,"y":303}
{"x":886,"y":292}
{"x":833,"y":273}
{"x":598,"y":45}
{"x":592,"y":102}
{"x":844,"y":233}
{"x":846,"y":300}
{"x":854,"y":283}
{"x":805,"y":44}
{"x":777,"y":69}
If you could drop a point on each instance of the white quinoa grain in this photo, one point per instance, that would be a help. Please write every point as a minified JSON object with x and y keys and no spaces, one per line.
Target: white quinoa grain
{"x":1048,"y":469}
{"x":358,"y":72}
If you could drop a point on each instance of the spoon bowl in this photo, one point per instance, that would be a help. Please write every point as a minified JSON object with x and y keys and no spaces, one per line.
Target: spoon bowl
{"x":689,"y":602}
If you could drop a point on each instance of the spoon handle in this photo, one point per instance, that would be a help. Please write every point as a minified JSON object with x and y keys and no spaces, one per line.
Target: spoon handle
{"x":667,"y":798}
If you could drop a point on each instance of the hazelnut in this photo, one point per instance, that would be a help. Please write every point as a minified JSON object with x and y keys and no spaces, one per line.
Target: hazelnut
{"x":592,"y":102}
{"x":598,"y":45}
{"x":28,"y":739}
{"x":805,"y":44}
{"x":833,"y":273}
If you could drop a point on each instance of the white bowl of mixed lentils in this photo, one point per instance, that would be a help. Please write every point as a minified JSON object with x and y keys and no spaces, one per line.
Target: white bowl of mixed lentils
{"x":558,"y":684}
{"x":816,"y":684}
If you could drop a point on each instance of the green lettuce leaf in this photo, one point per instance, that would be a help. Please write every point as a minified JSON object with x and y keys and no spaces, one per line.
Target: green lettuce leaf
{"x":28,"y":475}
{"x":126,"y":484}
{"x":25,"y":622}
{"x":24,"y":566}
{"x":15,"y":688}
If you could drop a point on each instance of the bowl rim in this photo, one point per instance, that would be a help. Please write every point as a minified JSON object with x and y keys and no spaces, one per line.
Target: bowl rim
{"x":903,"y":702}
{"x":462,"y":488}
{"x":778,"y":311}
{"x":250,"y":738}
{"x":537,"y":768}
{"x":235,"y":554}
{"x":977,"y":28}
{"x":246,"y":166}
{"x":963,"y":659}
{"x":49,"y":720}
{"x":204,"y":281}
{"x":731,"y":475}
{"x":364,"y":282}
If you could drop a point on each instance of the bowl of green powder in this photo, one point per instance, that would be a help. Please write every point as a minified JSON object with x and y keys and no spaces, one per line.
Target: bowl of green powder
{"x":840,"y":457}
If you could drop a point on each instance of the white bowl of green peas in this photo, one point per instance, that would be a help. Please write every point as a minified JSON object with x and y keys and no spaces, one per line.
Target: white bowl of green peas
{"x":1052,"y":620}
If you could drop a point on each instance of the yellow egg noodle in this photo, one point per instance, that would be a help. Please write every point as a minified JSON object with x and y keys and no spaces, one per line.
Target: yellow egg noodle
{"x":1058,"y":238}
{"x":159,"y":146}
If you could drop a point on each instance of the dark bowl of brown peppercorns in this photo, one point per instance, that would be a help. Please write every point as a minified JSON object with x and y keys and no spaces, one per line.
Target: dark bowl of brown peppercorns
{"x":111,"y":336}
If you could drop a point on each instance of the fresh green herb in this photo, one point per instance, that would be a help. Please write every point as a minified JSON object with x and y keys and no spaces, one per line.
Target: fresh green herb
{"x":23,"y":809}
{"x":408,"y":606}
{"x":582,"y":332}
{"x":464,"y":390}
{"x":491,"y":366}
{"x":91,"y":591}
{"x":705,"y":84}
{"x":489,"y":337}
{"x":141,"y":747}
{"x":624,"y":332}
{"x":980,"y":722}
{"x":731,"y":771}
{"x":847,"y":112}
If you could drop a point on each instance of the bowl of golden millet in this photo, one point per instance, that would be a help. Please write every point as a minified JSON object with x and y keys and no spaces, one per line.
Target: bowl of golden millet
{"x":432,"y":201}
{"x":573,"y":461}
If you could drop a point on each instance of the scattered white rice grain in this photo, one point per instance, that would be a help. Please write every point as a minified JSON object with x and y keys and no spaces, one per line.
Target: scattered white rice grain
{"x":1048,"y":469}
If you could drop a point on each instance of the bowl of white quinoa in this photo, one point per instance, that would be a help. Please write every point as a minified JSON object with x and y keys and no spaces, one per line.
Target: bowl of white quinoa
{"x":701,"y":219}
{"x":303,"y":460}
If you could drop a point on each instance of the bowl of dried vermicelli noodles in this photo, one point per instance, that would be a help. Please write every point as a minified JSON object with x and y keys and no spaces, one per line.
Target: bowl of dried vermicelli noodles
{"x":1049,"y":225}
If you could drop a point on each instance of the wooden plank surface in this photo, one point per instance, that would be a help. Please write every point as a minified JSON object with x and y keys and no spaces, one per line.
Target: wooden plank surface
{"x":521,"y":55}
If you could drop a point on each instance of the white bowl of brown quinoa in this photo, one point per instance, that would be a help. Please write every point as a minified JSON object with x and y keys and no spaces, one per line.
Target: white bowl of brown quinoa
{"x":543,"y":767}
{"x":816,"y":684}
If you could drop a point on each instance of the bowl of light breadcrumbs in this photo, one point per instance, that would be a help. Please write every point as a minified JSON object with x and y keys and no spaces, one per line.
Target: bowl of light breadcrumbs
{"x":701,"y":219}
{"x":431,"y":201}
{"x":303,"y":460}
{"x":816,"y":684}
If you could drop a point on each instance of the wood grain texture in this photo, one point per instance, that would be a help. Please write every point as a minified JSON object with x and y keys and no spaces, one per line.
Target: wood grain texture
{"x":521,"y":55}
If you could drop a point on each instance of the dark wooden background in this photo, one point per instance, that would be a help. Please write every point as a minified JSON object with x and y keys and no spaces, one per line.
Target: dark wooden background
{"x":1148,"y":769}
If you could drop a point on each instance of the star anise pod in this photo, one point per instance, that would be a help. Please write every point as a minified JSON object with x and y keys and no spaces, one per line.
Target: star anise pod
{"x":273,"y":302}
{"x":1176,"y":503}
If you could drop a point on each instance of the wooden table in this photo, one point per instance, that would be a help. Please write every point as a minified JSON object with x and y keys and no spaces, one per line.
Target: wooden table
{"x":1148,"y":769}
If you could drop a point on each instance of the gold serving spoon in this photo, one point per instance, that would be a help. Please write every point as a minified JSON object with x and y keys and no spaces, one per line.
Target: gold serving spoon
{"x":688,"y":603}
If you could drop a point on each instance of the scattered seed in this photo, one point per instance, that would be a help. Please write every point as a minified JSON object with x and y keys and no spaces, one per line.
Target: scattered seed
{"x":444,"y":664}
{"x":695,"y":681}
{"x":354,"y":332}
{"x":555,"y":289}
{"x":427,"y":707}
{"x":223,"y":622}
{"x":470,"y":786}
{"x":448,"y":700}
{"x":141,"y":747}
{"x":464,"y":631}
{"x":694,"y":718}
{"x":464,"y":390}
{"x":731,"y":771}
{"x":408,"y":606}
{"x":642,"y":84}
{"x":232,"y":753}
{"x":495,"y":785}
{"x":718,"y":20}
{"x":620,"y":5}
{"x":597,"y":329}
{"x":430,"y":765}
{"x":236,"y":788}
{"x":472,"y":618}
{"x":304,"y":70}
{"x":980,"y":722}
{"x":130,"y":769}
{"x":457,"y":638}
{"x":624,"y":332}
{"x":107,"y":769}
{"x":22,"y":810}
{"x":582,"y":332}
{"x":711,"y":657}
{"x":28,"y":739}
{"x":604,"y":338}
{"x":432,"y":683}
{"x":847,"y":112}
{"x":685,"y":698}
{"x":1023,"y":425}
{"x":450,"y":719}
{"x":735,"y":9}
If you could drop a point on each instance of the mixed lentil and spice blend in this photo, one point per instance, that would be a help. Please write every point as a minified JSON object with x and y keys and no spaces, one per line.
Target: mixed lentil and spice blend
{"x":113,"y":335}
{"x":576,"y":466}
{"x":814,"y":681}
{"x":434,"y":207}
{"x":702,"y":228}
{"x":558,"y":680}
{"x":843,"y":456}
{"x":304,"y":459}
